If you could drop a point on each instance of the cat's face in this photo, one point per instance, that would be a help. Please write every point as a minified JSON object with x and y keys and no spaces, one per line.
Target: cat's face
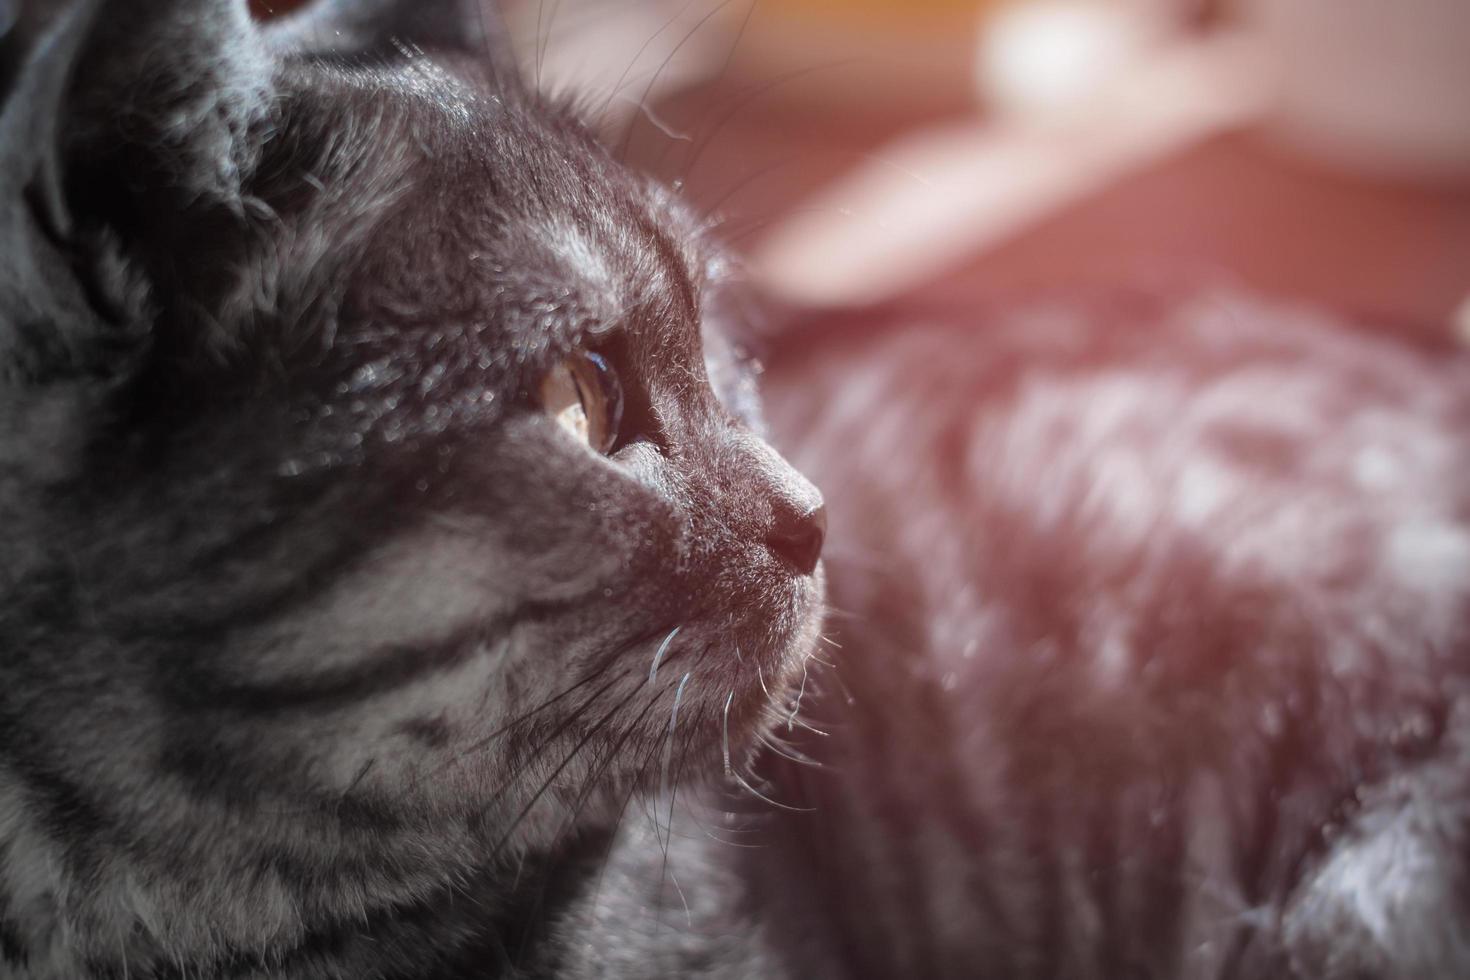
{"x":380,"y":478}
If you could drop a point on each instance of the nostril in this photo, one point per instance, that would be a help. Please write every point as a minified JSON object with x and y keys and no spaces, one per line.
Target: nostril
{"x":797,"y":538}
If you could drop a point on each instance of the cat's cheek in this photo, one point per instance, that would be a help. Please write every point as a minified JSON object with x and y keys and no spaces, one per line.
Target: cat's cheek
{"x":574,"y":509}
{"x":642,"y":463}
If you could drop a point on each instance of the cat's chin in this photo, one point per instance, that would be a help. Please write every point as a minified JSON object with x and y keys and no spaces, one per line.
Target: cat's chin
{"x":751,"y":711}
{"x":720,"y":713}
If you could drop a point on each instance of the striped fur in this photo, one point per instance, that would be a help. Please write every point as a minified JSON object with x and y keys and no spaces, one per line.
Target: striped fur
{"x":1155,"y":630}
{"x":322,"y":649}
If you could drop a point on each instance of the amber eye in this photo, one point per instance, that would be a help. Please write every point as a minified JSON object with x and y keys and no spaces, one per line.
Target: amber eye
{"x":583,"y":395}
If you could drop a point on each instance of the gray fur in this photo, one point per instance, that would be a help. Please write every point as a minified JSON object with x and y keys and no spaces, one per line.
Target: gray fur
{"x":323,"y":650}
{"x":325,"y":654}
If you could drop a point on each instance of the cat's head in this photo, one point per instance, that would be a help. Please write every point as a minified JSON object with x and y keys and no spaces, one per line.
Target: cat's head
{"x":377,"y":488}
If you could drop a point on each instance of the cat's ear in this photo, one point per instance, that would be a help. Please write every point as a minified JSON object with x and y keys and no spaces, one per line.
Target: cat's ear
{"x":177,"y":86}
{"x":373,"y":27}
{"x":129,"y":110}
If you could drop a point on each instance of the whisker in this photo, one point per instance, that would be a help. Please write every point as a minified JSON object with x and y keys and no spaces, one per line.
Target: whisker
{"x":719,"y":74}
{"x":662,"y":125}
{"x":744,"y":99}
{"x":648,"y":89}
{"x":832,"y":612}
{"x":808,"y":727}
{"x":761,"y":796}
{"x":367,"y":767}
{"x":493,"y":37}
{"x":556,"y":733}
{"x":595,"y":778}
{"x":756,"y":226}
{"x":540,"y":9}
{"x":653,"y":671}
{"x":635,"y":783}
{"x":543,"y":41}
{"x":788,"y":753}
{"x":669,"y":729}
{"x":735,"y":44}
{"x":618,"y":85}
{"x":799,"y":695}
{"x":607,"y":663}
{"x":673,"y":796}
{"x":521,"y":719}
{"x":711,"y":218}
{"x":673,"y":721}
{"x":707,"y":832}
{"x":560,"y":768}
{"x":688,"y":915}
{"x":726,"y":746}
{"x":590,"y":783}
{"x":836,"y":674}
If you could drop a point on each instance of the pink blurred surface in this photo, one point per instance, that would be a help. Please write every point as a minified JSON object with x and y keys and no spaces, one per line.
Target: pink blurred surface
{"x":1243,"y":206}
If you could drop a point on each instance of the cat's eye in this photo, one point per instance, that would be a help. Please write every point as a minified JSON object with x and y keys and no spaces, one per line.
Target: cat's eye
{"x":583,"y":395}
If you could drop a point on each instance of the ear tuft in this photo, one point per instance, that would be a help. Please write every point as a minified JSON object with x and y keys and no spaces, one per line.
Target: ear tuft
{"x":181,"y":87}
{"x":188,"y":83}
{"x":125,"y":109}
{"x":43,"y":55}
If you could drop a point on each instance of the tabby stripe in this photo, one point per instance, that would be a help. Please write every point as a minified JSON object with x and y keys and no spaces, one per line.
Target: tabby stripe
{"x":380,"y":671}
{"x":12,"y":947}
{"x":533,"y":916}
{"x":250,"y":609}
{"x":430,"y":731}
{"x":521,"y":719}
{"x":69,"y":815}
{"x":559,"y":730}
{"x":607,"y":663}
{"x":67,"y":805}
{"x":561,"y":767}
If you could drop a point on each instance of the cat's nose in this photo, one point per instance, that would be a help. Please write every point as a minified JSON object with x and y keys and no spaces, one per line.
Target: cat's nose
{"x":797,"y":534}
{"x":792,"y":517}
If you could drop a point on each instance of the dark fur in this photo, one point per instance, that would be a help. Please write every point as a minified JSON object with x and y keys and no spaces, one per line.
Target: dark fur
{"x":323,"y":651}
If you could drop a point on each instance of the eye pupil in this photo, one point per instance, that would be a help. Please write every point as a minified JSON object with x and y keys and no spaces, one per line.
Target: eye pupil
{"x":610,"y":392}
{"x":583,"y":395}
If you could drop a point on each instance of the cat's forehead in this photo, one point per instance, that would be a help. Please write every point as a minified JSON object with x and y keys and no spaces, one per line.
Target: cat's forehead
{"x":504,"y":207}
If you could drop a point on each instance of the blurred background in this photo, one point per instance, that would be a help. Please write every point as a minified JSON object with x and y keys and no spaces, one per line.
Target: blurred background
{"x":860,"y":150}
{"x":866,"y":150}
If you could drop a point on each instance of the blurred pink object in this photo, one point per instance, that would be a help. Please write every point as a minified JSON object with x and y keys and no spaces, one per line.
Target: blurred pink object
{"x":1376,"y":85}
{"x":935,"y":197}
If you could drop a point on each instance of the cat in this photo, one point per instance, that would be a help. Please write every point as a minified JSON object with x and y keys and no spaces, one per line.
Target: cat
{"x":1154,"y":617}
{"x":383,"y":504}
{"x":385,"y":514}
